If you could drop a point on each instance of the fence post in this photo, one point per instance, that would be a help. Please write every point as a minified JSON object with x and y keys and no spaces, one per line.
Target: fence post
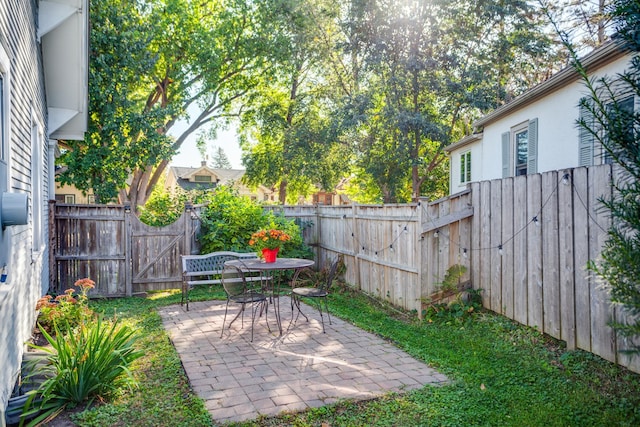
{"x":356,"y":253}
{"x":187,"y":224}
{"x":128,"y":283}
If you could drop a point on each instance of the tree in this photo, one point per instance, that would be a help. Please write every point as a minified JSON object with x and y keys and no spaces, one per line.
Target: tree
{"x":152,"y":61}
{"x":219,"y":160}
{"x":620,"y":267}
{"x":288,"y":138}
{"x":429,"y":68}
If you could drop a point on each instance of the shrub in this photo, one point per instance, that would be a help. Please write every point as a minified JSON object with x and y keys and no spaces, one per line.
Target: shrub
{"x":162,"y":209}
{"x":229,"y":220}
{"x":616,"y":125}
{"x":86,"y":363}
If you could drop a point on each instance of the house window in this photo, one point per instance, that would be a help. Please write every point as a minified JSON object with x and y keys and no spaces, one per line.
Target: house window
{"x":591,"y":150}
{"x":91,"y":199}
{"x":520,"y":149}
{"x":465,"y":167}
{"x":521,"y":145}
{"x":202,"y":178}
{"x":70,"y":198}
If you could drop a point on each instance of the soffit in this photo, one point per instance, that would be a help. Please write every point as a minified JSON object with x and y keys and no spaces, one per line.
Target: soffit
{"x":64,"y":36}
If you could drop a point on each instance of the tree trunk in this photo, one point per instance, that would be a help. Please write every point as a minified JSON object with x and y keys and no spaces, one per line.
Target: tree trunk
{"x":282,"y":192}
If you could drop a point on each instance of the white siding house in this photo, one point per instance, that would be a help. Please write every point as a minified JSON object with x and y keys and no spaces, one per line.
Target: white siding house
{"x":537,"y":131}
{"x":43,"y":97}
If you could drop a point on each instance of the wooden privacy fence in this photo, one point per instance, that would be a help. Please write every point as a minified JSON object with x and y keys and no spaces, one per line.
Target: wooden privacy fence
{"x":380,"y":244}
{"x":110,"y":245}
{"x":525,"y":241}
{"x":532,"y":238}
{"x":386,"y":249}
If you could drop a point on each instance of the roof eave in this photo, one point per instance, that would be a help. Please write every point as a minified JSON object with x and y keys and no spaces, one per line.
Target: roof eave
{"x":604,"y":55}
{"x":463,"y":142}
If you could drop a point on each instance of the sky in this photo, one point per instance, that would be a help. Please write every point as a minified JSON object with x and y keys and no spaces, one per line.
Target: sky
{"x":189,"y":156}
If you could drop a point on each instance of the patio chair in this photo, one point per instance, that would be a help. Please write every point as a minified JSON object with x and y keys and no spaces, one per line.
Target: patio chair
{"x":317,"y":293}
{"x":236,"y":286}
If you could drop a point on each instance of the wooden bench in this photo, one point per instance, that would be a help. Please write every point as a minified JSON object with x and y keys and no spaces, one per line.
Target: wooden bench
{"x":207,"y":270}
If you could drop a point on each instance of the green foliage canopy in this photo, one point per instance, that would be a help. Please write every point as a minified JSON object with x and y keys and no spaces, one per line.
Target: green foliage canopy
{"x":229,"y":220}
{"x":153,"y":62}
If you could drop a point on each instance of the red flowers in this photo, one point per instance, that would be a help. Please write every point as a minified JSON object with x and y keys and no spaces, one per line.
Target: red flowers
{"x":270,"y":239}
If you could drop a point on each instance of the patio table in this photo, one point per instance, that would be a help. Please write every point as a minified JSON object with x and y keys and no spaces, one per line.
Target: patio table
{"x":272,"y":269}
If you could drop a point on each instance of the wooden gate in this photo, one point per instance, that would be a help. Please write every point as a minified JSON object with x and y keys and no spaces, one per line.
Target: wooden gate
{"x":155,"y":253}
{"x":110,"y":245}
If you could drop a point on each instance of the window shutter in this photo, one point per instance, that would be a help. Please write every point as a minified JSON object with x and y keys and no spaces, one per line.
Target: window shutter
{"x":532,"y":147}
{"x":506,"y":154}
{"x":585,"y":144}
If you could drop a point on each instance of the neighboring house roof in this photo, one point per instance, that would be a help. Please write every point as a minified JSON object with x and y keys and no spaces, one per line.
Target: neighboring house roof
{"x":464,"y":141}
{"x":221,"y":177}
{"x":224,"y":175}
{"x":607,"y":53}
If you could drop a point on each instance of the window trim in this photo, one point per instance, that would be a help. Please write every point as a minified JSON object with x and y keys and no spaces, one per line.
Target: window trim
{"x":465,"y":167}
{"x":5,"y":126}
{"x":201,"y":179}
{"x":37,"y":185}
{"x":515,"y":131}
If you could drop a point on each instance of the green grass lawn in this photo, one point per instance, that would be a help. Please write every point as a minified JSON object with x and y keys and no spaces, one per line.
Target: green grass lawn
{"x":502,"y":374}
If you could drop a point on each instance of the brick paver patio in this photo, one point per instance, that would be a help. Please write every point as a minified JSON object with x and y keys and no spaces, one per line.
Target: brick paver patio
{"x":239,"y":380}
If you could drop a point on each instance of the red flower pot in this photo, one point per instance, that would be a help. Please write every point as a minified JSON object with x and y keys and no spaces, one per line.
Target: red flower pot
{"x":270,"y":255}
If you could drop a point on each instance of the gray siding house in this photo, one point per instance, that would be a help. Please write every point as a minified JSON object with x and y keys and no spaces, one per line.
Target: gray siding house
{"x":43,"y":98}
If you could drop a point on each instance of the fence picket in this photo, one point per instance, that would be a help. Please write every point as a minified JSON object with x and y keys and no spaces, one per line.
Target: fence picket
{"x":566,"y":259}
{"x":551,"y":254}
{"x":520,"y":277}
{"x":581,"y":275}
{"x":602,"y":336}
{"x":508,"y":256}
{"x":534,"y":253}
{"x":496,"y":246}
